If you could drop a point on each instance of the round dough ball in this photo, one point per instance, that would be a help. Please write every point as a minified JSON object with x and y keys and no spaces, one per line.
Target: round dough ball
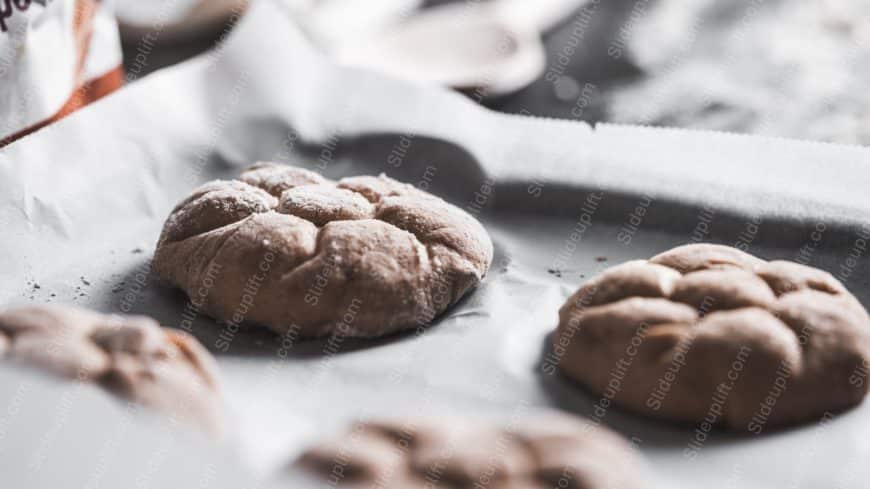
{"x":544,"y":452}
{"x":130,"y":356}
{"x":709,"y":334}
{"x":291,"y":250}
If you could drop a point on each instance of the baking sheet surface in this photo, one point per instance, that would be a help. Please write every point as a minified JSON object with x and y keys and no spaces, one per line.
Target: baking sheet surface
{"x":706,"y":64}
{"x":82,"y":203}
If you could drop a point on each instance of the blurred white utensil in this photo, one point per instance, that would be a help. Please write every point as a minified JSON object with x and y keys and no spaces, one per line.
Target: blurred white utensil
{"x":491,"y":48}
{"x":335,"y":22}
{"x":543,"y":15}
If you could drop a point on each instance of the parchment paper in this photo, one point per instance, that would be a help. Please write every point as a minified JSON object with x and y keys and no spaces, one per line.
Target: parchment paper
{"x":56,"y":433}
{"x":82,"y":203}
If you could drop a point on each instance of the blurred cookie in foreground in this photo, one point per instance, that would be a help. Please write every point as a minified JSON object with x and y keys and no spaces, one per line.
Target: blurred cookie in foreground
{"x":130,"y":356}
{"x":289,"y":249}
{"x":712,"y":335}
{"x":545,"y":452}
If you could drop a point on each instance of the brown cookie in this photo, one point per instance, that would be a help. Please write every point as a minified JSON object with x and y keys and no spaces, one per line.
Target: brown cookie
{"x":543,"y":453}
{"x":709,"y":334}
{"x":287,"y":248}
{"x":130,"y":356}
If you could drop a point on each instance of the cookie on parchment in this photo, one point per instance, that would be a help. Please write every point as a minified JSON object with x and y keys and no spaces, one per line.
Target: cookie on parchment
{"x":535,"y":453}
{"x":709,"y":334}
{"x":130,"y":356}
{"x":286,"y":248}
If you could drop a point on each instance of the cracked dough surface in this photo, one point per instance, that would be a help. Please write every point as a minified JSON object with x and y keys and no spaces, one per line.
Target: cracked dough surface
{"x":130,"y":356}
{"x":544,"y":452}
{"x":286,"y":248}
{"x":709,"y":333}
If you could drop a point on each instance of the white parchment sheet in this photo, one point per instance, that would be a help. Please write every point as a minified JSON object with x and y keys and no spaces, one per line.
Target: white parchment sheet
{"x":82,"y":203}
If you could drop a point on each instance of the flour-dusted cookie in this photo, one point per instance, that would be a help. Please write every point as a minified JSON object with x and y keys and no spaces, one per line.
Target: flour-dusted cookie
{"x":545,"y":452}
{"x":709,"y":334}
{"x":287,"y":248}
{"x":130,"y":356}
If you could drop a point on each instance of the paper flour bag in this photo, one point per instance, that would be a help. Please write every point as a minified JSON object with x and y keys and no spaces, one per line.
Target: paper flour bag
{"x":55,"y":57}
